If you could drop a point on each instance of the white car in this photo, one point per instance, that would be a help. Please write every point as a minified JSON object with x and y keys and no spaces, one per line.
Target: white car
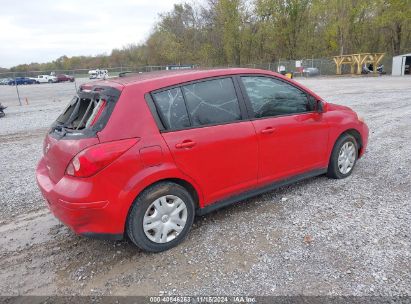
{"x":45,"y":79}
{"x":98,"y":74}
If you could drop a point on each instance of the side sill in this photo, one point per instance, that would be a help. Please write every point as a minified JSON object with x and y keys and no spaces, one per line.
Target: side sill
{"x":103,"y":236}
{"x":250,"y":193}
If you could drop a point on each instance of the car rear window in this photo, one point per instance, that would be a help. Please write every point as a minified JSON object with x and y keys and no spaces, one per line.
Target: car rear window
{"x":80,"y":113}
{"x":87,"y":113}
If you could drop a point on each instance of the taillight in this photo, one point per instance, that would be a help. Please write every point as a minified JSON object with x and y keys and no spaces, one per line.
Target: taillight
{"x":95,"y":158}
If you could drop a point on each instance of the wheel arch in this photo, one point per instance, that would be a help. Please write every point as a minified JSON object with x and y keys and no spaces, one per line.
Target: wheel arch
{"x":356,"y":134}
{"x":351,"y":131}
{"x":186,"y":185}
{"x":179,"y":181}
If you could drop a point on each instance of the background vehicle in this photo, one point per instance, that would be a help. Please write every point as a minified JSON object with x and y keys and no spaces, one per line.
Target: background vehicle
{"x":21,"y":80}
{"x":2,"y":114}
{"x":5,"y":81}
{"x":98,"y":74}
{"x":45,"y":79}
{"x":143,"y":154}
{"x":309,"y":72}
{"x":64,"y":77}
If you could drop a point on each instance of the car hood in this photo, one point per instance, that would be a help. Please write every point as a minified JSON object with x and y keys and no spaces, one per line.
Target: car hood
{"x":335,"y":107}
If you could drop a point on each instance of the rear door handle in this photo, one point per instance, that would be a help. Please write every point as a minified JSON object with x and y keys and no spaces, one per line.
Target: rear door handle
{"x":187,"y":144}
{"x":268,"y":130}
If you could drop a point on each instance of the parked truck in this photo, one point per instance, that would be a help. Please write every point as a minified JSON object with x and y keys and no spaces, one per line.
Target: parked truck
{"x":45,"y":79}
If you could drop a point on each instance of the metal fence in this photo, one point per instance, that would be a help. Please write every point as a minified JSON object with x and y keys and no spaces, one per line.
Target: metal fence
{"x":325,"y":66}
{"x":55,"y":92}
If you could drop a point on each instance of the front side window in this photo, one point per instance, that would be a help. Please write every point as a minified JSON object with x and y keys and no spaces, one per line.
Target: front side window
{"x":171,"y":107}
{"x":272,"y":97}
{"x":212,"y":102}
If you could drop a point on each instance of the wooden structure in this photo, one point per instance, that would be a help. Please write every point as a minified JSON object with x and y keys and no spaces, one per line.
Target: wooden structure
{"x":356,"y":61}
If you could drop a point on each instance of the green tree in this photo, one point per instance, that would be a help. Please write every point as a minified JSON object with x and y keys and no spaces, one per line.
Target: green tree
{"x":394,"y":18}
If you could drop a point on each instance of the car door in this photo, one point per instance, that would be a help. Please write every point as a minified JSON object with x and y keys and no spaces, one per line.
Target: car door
{"x":292,"y":135}
{"x":209,"y":140}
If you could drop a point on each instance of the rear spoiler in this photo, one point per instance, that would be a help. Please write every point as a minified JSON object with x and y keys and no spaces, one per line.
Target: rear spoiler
{"x":103,"y":92}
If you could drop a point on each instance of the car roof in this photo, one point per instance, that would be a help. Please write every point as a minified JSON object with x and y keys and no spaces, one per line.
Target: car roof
{"x":173,"y":74}
{"x":151,"y":81}
{"x":172,"y":77}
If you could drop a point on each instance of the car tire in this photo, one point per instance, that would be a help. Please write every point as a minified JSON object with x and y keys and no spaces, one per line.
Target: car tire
{"x":161,"y":207}
{"x":343,"y":157}
{"x":50,"y":81}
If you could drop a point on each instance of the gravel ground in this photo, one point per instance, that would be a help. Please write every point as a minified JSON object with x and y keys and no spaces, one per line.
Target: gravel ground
{"x":317,"y":237}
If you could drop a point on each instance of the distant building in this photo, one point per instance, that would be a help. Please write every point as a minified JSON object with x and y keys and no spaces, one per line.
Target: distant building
{"x":401,"y":65}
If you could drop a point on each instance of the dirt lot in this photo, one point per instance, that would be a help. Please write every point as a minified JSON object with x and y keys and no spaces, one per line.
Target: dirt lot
{"x":317,"y":237}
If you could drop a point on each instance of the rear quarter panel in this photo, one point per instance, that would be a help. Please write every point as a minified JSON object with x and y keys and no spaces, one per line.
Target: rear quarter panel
{"x":131,"y":173}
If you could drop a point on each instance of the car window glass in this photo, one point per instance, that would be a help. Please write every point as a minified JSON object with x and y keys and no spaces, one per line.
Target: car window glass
{"x":172,"y":109}
{"x":271,"y":97}
{"x":212,"y":102}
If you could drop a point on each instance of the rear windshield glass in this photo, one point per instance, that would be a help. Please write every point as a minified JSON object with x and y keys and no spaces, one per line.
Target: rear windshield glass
{"x":80,"y":113}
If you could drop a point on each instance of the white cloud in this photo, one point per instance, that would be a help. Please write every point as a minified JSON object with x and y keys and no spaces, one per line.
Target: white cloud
{"x":42,"y":30}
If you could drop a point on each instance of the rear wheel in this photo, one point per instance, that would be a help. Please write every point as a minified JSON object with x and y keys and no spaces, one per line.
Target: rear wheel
{"x":343,"y":157}
{"x":50,"y":81}
{"x":160,"y":217}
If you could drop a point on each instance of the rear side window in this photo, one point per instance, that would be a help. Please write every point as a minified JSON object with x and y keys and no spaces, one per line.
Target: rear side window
{"x":271,"y":97}
{"x":212,"y":102}
{"x":172,"y":109}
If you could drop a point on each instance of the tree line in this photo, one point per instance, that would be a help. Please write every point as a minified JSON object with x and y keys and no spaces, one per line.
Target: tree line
{"x":239,"y":32}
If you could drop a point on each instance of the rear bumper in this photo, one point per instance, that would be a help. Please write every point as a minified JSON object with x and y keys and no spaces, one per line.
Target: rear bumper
{"x":77,"y":203}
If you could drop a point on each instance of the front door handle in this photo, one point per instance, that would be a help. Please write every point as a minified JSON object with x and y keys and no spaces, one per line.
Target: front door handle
{"x":187,"y":144}
{"x":268,"y":130}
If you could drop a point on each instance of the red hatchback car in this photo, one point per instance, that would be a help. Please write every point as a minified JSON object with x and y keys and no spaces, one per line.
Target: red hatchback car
{"x":141,"y":155}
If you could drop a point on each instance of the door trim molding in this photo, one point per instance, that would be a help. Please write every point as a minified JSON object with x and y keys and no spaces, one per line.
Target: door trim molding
{"x":254,"y":192}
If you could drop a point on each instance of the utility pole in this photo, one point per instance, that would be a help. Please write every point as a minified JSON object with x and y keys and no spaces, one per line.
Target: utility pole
{"x":17,"y":89}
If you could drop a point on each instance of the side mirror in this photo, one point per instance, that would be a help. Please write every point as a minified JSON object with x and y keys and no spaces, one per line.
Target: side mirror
{"x":319,"y":106}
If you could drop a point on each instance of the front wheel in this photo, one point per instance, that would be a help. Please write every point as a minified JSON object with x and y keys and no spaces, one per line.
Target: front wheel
{"x":161,"y":217}
{"x":343,"y":158}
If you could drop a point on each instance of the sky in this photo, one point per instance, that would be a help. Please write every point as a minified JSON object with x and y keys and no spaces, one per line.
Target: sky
{"x":43,"y":30}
